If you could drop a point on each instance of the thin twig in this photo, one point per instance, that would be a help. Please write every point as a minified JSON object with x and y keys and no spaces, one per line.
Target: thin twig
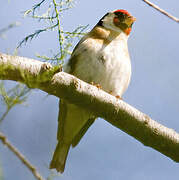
{"x":35,"y":34}
{"x":59,"y":27}
{"x":6,"y":142}
{"x":4,"y":115}
{"x":41,"y":17}
{"x":162,"y":11}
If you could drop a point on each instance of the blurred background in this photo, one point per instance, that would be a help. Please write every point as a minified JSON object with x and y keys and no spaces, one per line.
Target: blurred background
{"x":105,"y":152}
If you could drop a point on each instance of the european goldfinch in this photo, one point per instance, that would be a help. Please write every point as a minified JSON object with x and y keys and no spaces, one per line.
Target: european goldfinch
{"x":100,"y":57}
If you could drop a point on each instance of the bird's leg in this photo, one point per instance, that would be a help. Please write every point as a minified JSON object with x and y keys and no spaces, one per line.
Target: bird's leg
{"x":97,"y":85}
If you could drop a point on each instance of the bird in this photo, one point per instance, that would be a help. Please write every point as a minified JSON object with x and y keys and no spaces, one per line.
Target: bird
{"x":101,"y":57}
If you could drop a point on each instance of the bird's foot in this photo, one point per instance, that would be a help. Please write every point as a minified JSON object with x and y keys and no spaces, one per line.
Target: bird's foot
{"x":97,"y":85}
{"x":117,"y":96}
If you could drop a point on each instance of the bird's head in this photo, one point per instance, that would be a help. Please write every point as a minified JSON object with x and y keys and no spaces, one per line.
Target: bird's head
{"x":118,"y":20}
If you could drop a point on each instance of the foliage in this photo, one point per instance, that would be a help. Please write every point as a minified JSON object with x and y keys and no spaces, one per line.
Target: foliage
{"x":14,"y":96}
{"x":52,"y":16}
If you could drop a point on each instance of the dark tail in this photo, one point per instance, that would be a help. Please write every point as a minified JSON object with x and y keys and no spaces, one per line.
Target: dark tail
{"x":59,"y":157}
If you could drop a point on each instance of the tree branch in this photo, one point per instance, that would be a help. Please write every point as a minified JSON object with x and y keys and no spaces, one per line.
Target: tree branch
{"x":43,"y":76}
{"x":20,"y":156}
{"x":161,"y":10}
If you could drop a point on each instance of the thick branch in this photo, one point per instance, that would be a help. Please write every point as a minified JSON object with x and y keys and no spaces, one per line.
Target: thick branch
{"x":20,"y":156}
{"x":102,"y":104}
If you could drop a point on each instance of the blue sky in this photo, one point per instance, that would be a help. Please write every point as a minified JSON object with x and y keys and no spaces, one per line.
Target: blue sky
{"x":105,"y":151}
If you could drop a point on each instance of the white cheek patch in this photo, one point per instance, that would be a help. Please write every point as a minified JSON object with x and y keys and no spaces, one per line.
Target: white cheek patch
{"x":109,"y":24}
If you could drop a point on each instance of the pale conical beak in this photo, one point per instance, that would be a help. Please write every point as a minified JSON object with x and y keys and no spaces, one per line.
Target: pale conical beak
{"x":130,"y":20}
{"x":133,"y":19}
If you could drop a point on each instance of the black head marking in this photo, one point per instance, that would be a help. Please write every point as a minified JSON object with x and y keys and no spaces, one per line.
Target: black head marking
{"x":100,"y":23}
{"x":122,"y":16}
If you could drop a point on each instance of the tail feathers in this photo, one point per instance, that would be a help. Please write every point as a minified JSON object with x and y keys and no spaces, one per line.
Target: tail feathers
{"x":82,"y":132}
{"x":59,"y":157}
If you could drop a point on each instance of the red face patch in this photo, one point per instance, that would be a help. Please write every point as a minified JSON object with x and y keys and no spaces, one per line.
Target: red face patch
{"x":123,"y":11}
{"x":127,"y":31}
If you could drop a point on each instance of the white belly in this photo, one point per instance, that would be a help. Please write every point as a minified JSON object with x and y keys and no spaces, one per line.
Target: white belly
{"x":108,"y":66}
